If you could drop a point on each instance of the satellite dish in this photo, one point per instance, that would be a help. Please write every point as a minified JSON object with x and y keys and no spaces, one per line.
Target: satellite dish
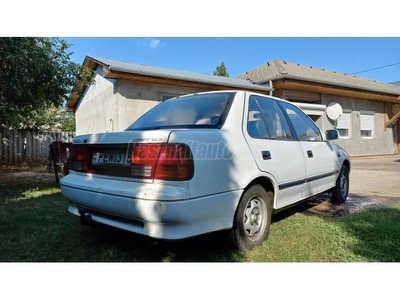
{"x":334,"y":111}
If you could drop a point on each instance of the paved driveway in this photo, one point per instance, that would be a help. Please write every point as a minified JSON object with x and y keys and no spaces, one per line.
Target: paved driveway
{"x":376,"y":177}
{"x":374,"y":182}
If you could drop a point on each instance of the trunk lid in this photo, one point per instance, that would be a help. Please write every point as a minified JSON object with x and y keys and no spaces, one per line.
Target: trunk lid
{"x":123,"y":137}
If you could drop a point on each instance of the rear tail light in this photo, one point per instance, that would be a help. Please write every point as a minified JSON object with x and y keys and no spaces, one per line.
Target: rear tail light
{"x":175,"y":162}
{"x":144,"y":160}
{"x":78,"y":158}
{"x":162,"y":161}
{"x":147,"y":161}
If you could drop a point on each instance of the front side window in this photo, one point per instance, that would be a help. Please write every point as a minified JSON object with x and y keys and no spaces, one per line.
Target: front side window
{"x":367,"y":123}
{"x":305,"y":128}
{"x":201,"y":110}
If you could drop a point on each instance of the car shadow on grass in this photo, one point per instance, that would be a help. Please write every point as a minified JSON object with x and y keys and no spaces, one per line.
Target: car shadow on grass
{"x":212,"y":247}
{"x":303,"y":207}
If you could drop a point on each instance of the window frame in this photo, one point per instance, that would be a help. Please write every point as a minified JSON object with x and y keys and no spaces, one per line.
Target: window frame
{"x":371,"y":115}
{"x":348,"y":112}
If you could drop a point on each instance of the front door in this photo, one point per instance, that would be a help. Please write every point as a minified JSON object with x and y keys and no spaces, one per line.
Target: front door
{"x":322,"y":164}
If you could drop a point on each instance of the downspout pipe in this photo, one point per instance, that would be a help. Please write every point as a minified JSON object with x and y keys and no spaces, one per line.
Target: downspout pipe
{"x":271,"y":87}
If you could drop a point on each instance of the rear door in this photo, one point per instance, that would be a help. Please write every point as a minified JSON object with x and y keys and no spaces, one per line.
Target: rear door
{"x":322,"y":165}
{"x":274,"y":148}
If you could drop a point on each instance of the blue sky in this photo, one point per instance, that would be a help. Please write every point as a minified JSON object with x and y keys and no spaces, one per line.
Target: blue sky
{"x":343,"y":36}
{"x":241,"y":54}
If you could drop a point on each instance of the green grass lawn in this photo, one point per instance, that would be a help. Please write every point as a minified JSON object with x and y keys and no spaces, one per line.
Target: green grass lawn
{"x":36,"y":227}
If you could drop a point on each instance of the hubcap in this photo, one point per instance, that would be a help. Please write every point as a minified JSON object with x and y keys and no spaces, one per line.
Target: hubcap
{"x":343,"y":185}
{"x":254,"y":217}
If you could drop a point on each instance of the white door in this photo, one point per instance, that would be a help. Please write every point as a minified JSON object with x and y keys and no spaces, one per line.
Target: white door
{"x":274,"y":148}
{"x":322,"y":163}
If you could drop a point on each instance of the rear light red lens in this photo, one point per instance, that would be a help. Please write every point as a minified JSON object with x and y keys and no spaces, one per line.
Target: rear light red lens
{"x":162,"y":161}
{"x":77,"y":158}
{"x":175,"y":162}
{"x":144,"y":159}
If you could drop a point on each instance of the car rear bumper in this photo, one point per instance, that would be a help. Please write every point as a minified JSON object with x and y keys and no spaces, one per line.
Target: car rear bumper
{"x":176,"y":216}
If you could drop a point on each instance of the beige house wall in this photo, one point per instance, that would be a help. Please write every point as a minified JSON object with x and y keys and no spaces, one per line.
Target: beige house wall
{"x":96,"y":108}
{"x":113,"y":105}
{"x":383,"y":140}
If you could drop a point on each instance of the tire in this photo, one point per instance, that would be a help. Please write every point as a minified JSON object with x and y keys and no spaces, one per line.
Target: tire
{"x":341,"y":189}
{"x":252,"y":219}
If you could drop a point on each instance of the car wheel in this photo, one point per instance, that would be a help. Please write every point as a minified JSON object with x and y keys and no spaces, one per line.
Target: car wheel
{"x":252,"y":219}
{"x":341,"y":189}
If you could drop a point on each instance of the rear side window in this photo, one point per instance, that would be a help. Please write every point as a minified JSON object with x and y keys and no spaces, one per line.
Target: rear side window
{"x":266,"y":121}
{"x":205,"y":110}
{"x":255,"y":124}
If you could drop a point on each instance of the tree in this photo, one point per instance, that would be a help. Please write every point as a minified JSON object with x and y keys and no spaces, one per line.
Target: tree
{"x":221,"y":70}
{"x":36,"y":78}
{"x":68,"y":122}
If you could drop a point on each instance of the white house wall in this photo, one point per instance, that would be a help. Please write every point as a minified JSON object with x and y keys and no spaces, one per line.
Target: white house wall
{"x":97,"y":107}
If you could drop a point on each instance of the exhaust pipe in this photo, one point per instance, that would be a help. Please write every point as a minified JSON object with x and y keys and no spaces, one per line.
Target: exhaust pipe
{"x":86,"y":218}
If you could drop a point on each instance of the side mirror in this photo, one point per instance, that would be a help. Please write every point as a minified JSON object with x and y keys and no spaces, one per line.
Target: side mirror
{"x":332,"y":134}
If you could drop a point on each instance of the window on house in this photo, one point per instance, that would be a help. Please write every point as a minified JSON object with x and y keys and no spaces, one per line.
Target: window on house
{"x":367,"y":123}
{"x":165,"y":96}
{"x":343,"y":124}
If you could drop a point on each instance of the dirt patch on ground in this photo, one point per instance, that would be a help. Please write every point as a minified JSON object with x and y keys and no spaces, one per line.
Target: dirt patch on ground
{"x":322,"y":206}
{"x":25,"y":175}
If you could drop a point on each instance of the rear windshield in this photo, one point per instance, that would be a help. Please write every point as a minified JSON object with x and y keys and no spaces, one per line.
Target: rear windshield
{"x":202,"y":110}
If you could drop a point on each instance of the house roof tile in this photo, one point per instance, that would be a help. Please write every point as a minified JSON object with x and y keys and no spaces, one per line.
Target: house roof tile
{"x":278,"y":69}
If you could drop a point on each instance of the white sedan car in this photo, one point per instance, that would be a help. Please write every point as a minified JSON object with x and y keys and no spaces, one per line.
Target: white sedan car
{"x":200,"y":163}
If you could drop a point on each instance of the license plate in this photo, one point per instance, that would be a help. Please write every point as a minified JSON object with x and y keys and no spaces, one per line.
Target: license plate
{"x":101,"y":158}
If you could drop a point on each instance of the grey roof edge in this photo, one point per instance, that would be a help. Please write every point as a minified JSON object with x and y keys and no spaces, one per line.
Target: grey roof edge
{"x":128,"y":67}
{"x":353,"y":86}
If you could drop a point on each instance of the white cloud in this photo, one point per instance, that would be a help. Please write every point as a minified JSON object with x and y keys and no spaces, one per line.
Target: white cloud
{"x":154,"y":43}
{"x":149,"y":43}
